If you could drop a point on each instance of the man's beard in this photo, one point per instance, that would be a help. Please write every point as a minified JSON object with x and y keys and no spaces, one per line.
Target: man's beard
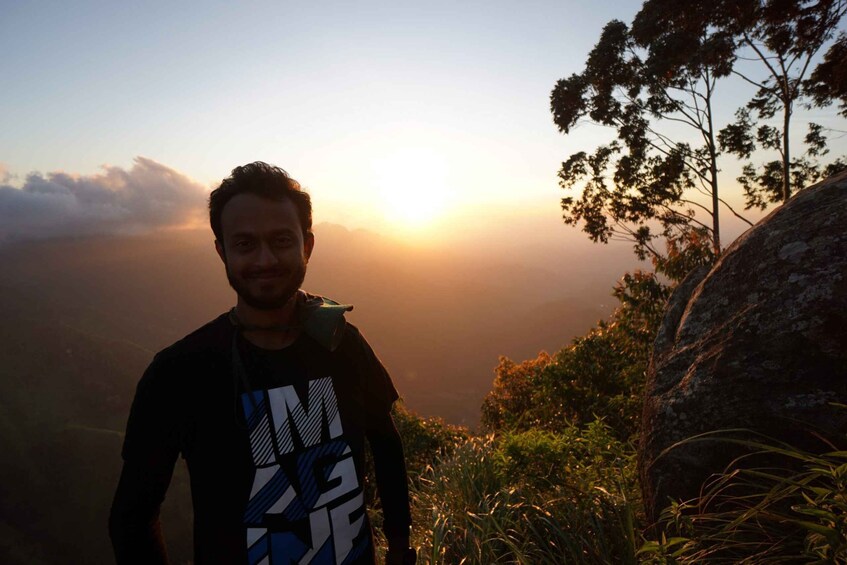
{"x":295,"y":280}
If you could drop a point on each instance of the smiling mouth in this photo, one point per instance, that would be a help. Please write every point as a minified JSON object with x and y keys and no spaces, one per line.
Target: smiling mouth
{"x":267,"y":275}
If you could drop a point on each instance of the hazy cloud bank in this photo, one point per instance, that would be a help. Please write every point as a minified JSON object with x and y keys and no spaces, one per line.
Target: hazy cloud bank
{"x":147,"y":196}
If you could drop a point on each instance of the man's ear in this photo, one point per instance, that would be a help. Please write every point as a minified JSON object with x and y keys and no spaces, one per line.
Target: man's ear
{"x":308,"y":244}
{"x":219,"y":247}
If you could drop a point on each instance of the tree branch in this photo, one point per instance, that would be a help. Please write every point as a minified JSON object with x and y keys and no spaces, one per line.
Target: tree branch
{"x":753,"y":82}
{"x":695,"y":203}
{"x":687,"y":218}
{"x":734,"y":213}
{"x":761,"y":55}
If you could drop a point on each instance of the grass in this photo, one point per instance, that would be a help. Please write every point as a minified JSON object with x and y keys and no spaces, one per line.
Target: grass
{"x":537,"y":497}
{"x":484,"y":504}
{"x":792,"y":511}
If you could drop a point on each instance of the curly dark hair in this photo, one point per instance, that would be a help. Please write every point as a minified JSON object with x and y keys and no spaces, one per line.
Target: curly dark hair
{"x":262,"y":180}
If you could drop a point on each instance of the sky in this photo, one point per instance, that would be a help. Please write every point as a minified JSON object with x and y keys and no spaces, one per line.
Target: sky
{"x":422,"y":119}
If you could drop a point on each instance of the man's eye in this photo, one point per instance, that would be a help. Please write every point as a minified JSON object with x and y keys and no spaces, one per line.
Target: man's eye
{"x":243,"y":244}
{"x":283,"y":241}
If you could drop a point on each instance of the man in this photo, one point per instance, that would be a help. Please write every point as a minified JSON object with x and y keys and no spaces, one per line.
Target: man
{"x":269,"y":404}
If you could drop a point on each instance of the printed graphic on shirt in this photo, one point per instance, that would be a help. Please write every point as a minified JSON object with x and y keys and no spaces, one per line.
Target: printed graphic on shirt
{"x":306,"y":504}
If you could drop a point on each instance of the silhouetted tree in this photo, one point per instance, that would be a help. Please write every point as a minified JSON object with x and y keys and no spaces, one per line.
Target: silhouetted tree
{"x":636,"y":82}
{"x":784,"y":36}
{"x":649,"y":183}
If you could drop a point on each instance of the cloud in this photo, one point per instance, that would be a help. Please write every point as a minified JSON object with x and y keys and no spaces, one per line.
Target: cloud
{"x":146,"y":197}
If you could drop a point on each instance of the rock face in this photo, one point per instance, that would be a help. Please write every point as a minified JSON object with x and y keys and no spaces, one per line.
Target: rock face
{"x":759,"y":341}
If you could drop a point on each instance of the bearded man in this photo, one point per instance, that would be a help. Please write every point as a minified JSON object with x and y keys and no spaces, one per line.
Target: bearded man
{"x":270,"y":404}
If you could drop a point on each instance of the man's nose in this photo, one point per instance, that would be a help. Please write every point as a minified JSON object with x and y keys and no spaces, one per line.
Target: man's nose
{"x":266,"y":256}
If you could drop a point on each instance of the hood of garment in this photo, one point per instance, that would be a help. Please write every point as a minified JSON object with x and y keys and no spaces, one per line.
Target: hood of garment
{"x":322,"y":319}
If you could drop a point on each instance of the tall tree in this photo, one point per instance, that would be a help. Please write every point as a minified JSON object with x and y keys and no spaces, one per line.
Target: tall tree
{"x":784,"y":37}
{"x":650,"y":182}
{"x":647,"y":184}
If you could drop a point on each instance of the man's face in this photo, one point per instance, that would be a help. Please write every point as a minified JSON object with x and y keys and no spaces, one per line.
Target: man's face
{"x":264,"y":249}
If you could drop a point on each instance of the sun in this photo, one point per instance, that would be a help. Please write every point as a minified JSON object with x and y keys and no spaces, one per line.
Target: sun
{"x":413,"y":186}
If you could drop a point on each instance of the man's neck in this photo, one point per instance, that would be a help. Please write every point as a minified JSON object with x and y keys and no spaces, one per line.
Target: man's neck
{"x":255,"y":320}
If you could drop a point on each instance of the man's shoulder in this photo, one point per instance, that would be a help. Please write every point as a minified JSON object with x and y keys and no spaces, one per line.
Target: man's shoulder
{"x":352,"y":332}
{"x":213,"y":338}
{"x":351,"y":339}
{"x":355,"y":349}
{"x":371,"y":374}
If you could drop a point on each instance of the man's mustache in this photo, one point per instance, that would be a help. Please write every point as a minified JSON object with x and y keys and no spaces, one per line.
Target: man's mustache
{"x":267,"y":273}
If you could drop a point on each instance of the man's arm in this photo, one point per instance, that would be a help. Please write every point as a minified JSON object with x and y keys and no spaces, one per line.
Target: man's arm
{"x":151,"y":446}
{"x":386,"y":446}
{"x":134,"y":519}
{"x":391,"y":483}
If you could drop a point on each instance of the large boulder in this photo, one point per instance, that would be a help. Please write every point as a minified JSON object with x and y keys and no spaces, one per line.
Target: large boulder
{"x":757,"y":342}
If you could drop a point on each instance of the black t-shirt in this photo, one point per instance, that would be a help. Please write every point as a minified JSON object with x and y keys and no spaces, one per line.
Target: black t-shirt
{"x":276,"y":456}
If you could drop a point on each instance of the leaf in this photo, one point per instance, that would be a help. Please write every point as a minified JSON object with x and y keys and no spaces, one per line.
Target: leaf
{"x":829,"y":533}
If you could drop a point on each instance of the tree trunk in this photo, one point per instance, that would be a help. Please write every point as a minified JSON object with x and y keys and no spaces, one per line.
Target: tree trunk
{"x":786,"y":156}
{"x":713,"y":172}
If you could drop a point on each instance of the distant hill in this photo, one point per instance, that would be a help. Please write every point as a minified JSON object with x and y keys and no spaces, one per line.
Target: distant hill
{"x":438,"y":317}
{"x":64,"y":396}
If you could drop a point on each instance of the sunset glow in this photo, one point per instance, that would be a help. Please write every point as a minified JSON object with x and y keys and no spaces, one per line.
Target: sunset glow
{"x":413,"y":187}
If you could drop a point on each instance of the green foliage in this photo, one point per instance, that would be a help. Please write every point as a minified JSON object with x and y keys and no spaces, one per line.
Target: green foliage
{"x":792,"y":511}
{"x":425,"y":439}
{"x":512,"y":399}
{"x":483,"y":504}
{"x":599,"y":376}
{"x":577,"y":459}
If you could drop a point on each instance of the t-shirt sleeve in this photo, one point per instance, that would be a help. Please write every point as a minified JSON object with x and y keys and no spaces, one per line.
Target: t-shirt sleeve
{"x":151,"y":446}
{"x":154,"y":430}
{"x":386,"y":445}
{"x":377,"y":385}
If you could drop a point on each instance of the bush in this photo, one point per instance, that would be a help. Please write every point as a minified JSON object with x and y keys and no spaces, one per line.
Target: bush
{"x":599,"y":376}
{"x":577,"y":459}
